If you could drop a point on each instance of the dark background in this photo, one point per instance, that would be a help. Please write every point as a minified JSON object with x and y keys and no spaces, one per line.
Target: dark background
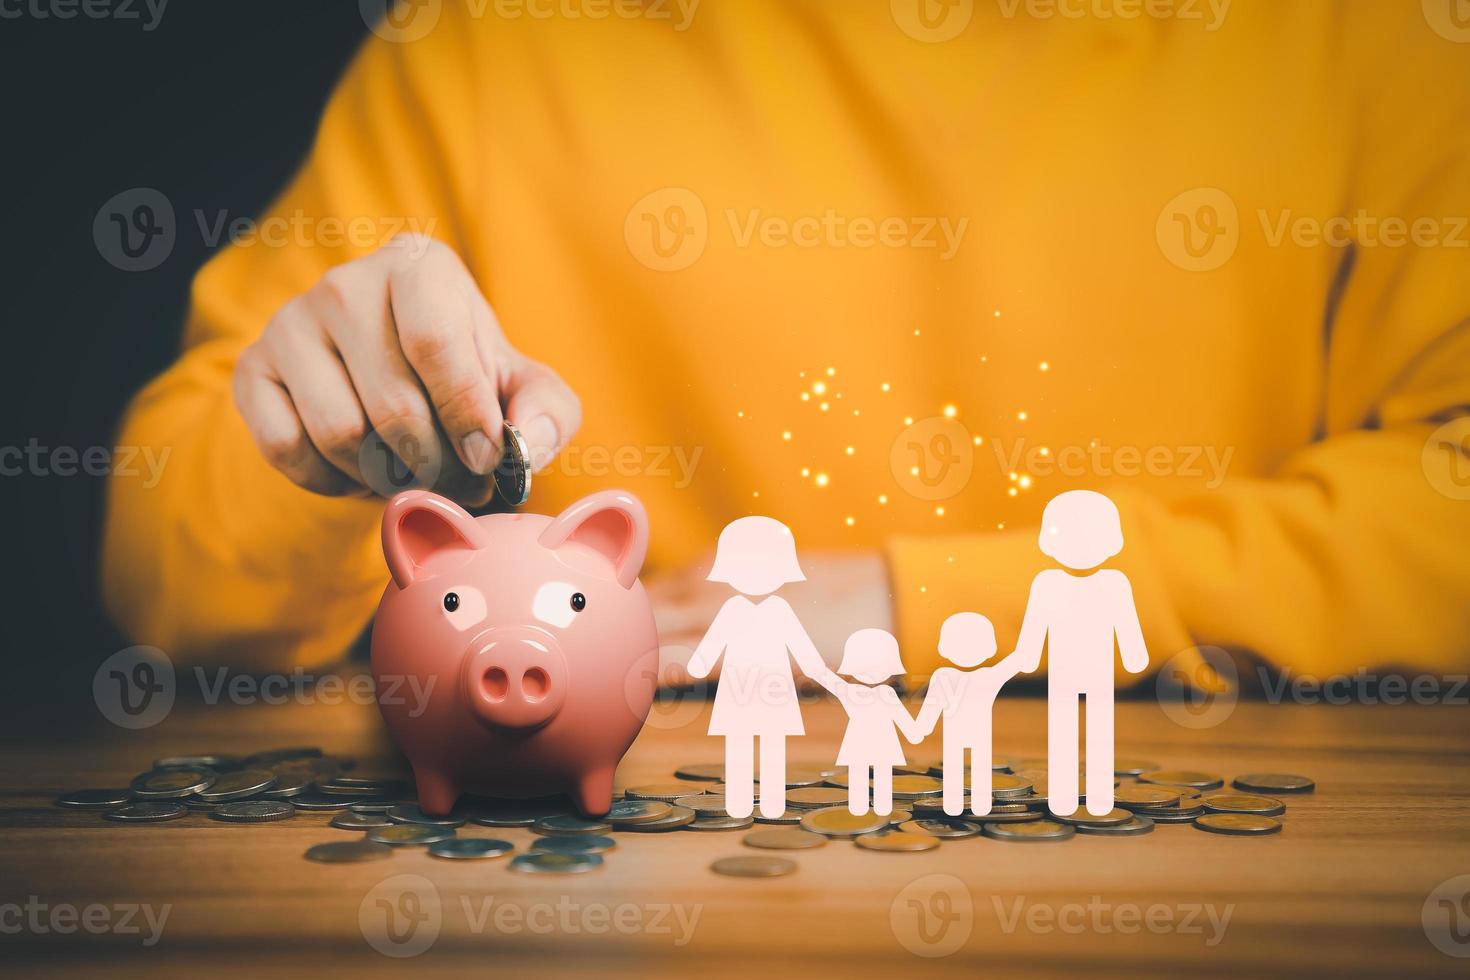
{"x":215,"y":108}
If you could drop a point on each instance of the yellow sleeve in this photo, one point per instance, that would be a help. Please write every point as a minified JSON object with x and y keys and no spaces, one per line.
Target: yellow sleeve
{"x":225,"y":558}
{"x":1352,"y":555}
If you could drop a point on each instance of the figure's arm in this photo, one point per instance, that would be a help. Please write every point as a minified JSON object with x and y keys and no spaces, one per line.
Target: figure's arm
{"x":1027,"y":655}
{"x":713,"y":644}
{"x":933,"y":705}
{"x":912,"y":730}
{"x":804,"y":652}
{"x":1130,"y":633}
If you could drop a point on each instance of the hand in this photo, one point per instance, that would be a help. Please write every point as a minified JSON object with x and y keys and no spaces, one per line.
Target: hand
{"x":844,"y":591}
{"x":401,"y":343}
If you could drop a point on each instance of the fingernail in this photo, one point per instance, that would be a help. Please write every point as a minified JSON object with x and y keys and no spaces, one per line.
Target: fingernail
{"x":541,"y":441}
{"x":478,"y":452}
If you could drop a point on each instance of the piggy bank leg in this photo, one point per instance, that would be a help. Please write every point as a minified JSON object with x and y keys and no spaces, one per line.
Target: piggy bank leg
{"x":437,"y":792}
{"x":593,"y":792}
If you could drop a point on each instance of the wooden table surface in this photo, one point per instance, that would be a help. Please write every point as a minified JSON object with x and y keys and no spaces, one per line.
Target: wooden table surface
{"x":1339,"y":892}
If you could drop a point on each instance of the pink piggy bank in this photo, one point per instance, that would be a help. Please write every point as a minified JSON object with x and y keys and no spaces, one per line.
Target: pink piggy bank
{"x":533,"y":638}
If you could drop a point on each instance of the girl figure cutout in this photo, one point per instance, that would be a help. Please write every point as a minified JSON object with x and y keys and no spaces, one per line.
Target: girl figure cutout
{"x":1085,"y":617}
{"x":966,"y":698}
{"x":873,"y":710}
{"x":758,"y":634}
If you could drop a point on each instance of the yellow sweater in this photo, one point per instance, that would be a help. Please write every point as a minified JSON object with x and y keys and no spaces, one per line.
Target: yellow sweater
{"x":762,"y":245}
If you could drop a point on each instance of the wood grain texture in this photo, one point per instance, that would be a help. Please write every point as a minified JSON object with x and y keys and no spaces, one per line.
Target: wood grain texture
{"x":1338,"y":893}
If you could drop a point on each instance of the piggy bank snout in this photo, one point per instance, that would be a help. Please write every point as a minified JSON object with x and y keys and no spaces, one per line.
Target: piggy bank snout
{"x":515,"y":677}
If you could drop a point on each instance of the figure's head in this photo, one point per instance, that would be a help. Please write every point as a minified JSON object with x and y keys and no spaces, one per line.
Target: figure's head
{"x":871,"y":656}
{"x":1081,"y":529}
{"x":756,"y":556}
{"x":967,"y":639}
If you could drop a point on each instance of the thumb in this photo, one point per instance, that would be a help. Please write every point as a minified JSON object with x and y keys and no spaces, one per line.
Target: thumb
{"x":541,"y":405}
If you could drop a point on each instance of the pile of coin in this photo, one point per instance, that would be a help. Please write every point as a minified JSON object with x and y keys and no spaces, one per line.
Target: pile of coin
{"x":275,"y":785}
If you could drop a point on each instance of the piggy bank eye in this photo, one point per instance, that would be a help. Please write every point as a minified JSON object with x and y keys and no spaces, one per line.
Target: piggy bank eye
{"x":579,"y":602}
{"x":451,"y":601}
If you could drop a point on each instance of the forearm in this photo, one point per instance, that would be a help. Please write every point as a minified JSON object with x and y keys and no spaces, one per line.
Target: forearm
{"x":223,"y":557}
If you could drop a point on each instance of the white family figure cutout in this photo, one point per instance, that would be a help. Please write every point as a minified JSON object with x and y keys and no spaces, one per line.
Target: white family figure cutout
{"x":756,"y":696}
{"x":965,"y":698}
{"x":875,"y":715}
{"x":1080,"y":612}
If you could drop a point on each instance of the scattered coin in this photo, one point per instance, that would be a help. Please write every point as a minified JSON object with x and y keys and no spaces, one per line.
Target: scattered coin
{"x":512,"y":813}
{"x":319,"y":801}
{"x":665,"y":792}
{"x":1182,"y":777}
{"x":783,"y":839}
{"x":594,"y":844}
{"x":349,"y":851}
{"x":237,"y":785}
{"x":1238,"y":824}
{"x":836,"y":821}
{"x":797,"y":778}
{"x":910,"y":787}
{"x":288,"y":784}
{"x":678,"y":816}
{"x":1263,"y":806}
{"x":376,"y":806}
{"x":784,"y":817}
{"x":565,"y":824}
{"x":720,"y":823}
{"x":403,"y":834}
{"x":900,"y":840}
{"x":1003,"y":786}
{"x":1134,"y":827}
{"x":1273,"y":782}
{"x":94,"y":799}
{"x":997,"y":815}
{"x":149,"y":811}
{"x":639,"y":811}
{"x":1132,"y":767}
{"x":197,"y":805}
{"x":815,"y":797}
{"x":1081,"y":818}
{"x":360,"y":821}
{"x":753,"y":867}
{"x":1033,"y":831}
{"x":704,"y":805}
{"x":552,"y":863}
{"x":897,"y":816}
{"x":943,"y":829}
{"x":411,"y":813}
{"x":253,"y":811}
{"x":470,"y":848}
{"x":165,"y":784}
{"x":1141,"y":795}
{"x":513,"y":473}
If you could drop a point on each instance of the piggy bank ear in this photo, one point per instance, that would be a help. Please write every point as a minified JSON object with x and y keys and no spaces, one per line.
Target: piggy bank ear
{"x":612,"y":522}
{"x":419,"y":525}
